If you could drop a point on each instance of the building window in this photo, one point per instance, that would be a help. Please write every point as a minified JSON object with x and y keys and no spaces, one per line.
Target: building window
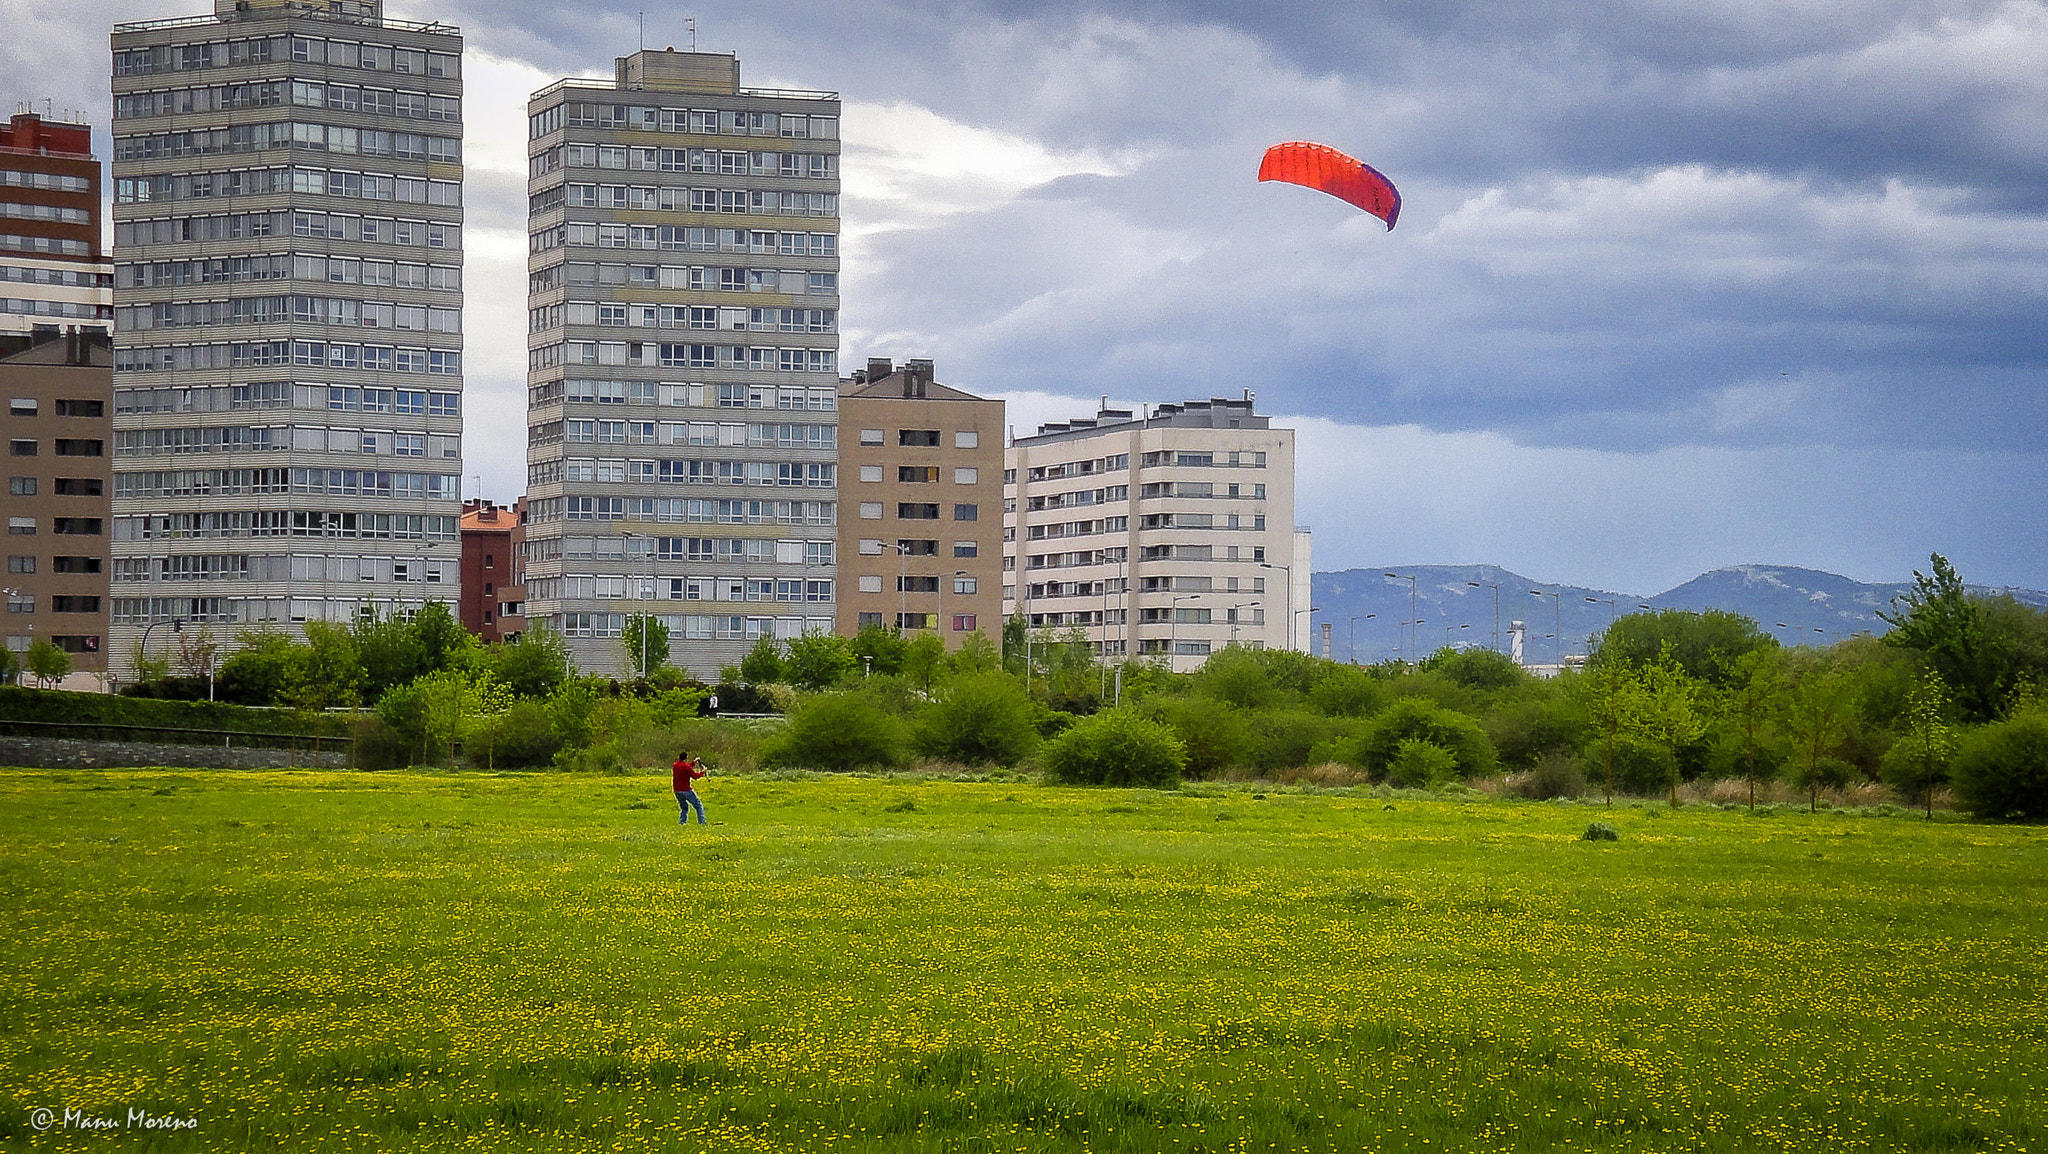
{"x":21,"y":448}
{"x":871,"y":583}
{"x":21,"y":407}
{"x":917,"y":585}
{"x":21,"y":486}
{"x":916,"y":474}
{"x":967,"y":512}
{"x":869,"y":547}
{"x":915,"y":511}
{"x":966,"y":476}
{"x":911,"y":548}
{"x":20,"y":564}
{"x":966,"y":585}
{"x":966,"y":549}
{"x":81,"y":408}
{"x":869,"y":621}
{"x":968,"y":439}
{"x":77,"y":526}
{"x":74,"y":564}
{"x":80,"y":487}
{"x":21,"y":526}
{"x":871,"y":473}
{"x":66,"y":604}
{"x":908,"y":621}
{"x":918,"y":438}
{"x":871,"y":436}
{"x":69,"y":448}
{"x":870,"y":510}
{"x":963,"y":623}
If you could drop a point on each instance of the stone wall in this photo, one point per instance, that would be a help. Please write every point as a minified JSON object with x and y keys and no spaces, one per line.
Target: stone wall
{"x":65,"y":753}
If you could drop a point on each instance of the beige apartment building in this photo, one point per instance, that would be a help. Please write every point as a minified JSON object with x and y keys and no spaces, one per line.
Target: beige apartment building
{"x":923,"y":466}
{"x":1167,"y":534}
{"x":58,"y":387}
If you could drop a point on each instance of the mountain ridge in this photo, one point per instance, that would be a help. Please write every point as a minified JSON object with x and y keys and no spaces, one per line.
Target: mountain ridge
{"x":1367,"y":608}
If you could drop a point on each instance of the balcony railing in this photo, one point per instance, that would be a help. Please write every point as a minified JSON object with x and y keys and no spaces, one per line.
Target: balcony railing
{"x":281,"y":12}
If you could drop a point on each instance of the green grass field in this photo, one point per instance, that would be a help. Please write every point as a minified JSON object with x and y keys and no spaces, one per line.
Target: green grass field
{"x":328,"y":961}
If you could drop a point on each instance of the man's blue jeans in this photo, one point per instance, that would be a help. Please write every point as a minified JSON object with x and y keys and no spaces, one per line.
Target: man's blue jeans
{"x":686,"y":800}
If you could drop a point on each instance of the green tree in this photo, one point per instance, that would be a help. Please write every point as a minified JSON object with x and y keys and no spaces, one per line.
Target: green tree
{"x":1754,"y":685}
{"x":1670,"y":709}
{"x":1240,"y":677}
{"x":47,"y":662}
{"x":10,"y":666}
{"x":1816,"y":712}
{"x":925,"y":660}
{"x":1705,"y":645}
{"x":1942,"y":621}
{"x":976,"y":655}
{"x":979,"y":719}
{"x":1420,"y":764}
{"x":645,"y":644}
{"x":535,"y":664}
{"x":324,"y":672}
{"x":819,"y":661}
{"x":255,"y":674}
{"x":1477,"y":668}
{"x":1116,"y":747}
{"x":441,"y":636}
{"x":763,"y":663}
{"x":390,"y":652}
{"x":879,"y":651}
{"x":1918,"y":763}
{"x":1611,"y":694}
{"x":1216,"y":734}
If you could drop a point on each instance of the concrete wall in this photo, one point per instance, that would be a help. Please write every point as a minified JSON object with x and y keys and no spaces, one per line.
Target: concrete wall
{"x":64,"y":753}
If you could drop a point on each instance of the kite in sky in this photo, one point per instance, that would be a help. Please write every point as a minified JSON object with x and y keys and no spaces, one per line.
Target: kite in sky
{"x":1324,"y":169}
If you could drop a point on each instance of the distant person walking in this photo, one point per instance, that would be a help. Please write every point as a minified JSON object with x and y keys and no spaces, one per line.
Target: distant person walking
{"x":686,"y":772}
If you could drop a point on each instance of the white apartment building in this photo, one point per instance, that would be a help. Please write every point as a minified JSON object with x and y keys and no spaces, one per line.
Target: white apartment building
{"x":1169,"y":534}
{"x":682,"y":439}
{"x":288,"y":312}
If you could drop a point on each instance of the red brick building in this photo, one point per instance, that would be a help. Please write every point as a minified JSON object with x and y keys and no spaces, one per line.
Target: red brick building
{"x":493,"y":579}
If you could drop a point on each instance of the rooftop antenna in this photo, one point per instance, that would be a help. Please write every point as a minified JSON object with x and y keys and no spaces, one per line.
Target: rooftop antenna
{"x":643,"y":31}
{"x":690,"y":22}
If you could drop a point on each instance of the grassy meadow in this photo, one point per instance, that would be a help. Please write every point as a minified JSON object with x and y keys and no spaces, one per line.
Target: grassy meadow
{"x":333,"y":961}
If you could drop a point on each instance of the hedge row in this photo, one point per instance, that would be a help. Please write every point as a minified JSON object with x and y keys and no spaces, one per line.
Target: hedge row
{"x":54,"y":705}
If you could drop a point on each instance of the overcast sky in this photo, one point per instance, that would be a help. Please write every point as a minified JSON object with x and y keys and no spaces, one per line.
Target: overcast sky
{"x":1677,"y":284}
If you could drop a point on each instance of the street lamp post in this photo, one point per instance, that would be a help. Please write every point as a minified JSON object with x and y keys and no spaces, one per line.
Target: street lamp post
{"x":1311,"y":610}
{"x":1496,"y":606}
{"x":1557,"y":637}
{"x":1233,"y":617}
{"x":1351,"y":646}
{"x":645,"y":624}
{"x":1412,"y":622}
{"x":1173,"y":626}
{"x":1449,"y":629}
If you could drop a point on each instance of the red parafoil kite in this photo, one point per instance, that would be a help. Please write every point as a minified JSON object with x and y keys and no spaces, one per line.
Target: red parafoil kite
{"x":1324,"y":169}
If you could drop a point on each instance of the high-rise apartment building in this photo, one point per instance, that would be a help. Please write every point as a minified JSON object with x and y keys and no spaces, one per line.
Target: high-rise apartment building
{"x":683,"y":352}
{"x":288,"y":303}
{"x":922,"y":546}
{"x":1169,"y":534}
{"x":54,"y":271}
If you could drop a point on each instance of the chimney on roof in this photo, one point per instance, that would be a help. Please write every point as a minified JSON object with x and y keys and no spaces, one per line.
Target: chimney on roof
{"x":879,"y":367}
{"x":917,"y":377}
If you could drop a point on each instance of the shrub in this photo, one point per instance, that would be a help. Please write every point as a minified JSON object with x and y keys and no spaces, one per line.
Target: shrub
{"x":1640,"y":767}
{"x":1478,"y":669}
{"x":1347,"y":692}
{"x":837,"y":731}
{"x":1523,"y":732}
{"x":1555,"y":775}
{"x":1213,"y":732}
{"x":379,"y":747}
{"x":979,"y":720}
{"x":1414,"y":718}
{"x":521,"y":737}
{"x":2001,"y":771}
{"x":1601,"y":831}
{"x":1420,"y":764}
{"x":1292,"y":739}
{"x":1116,"y":747}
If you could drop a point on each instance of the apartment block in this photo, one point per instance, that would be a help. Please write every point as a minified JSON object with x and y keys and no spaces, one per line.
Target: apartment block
{"x":288,"y":309}
{"x":58,"y":387}
{"x":1166,"y":534}
{"x":923,"y":467}
{"x":682,"y":436}
{"x":54,"y":272}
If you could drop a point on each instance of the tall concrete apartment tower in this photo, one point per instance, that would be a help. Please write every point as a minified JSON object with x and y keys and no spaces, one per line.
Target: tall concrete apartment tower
{"x":1165,"y":535}
{"x":288,"y":310}
{"x":56,"y":308}
{"x":683,"y":360}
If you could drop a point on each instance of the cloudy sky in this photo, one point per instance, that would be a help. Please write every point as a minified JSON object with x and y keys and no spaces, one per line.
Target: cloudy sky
{"x":1678,"y":284}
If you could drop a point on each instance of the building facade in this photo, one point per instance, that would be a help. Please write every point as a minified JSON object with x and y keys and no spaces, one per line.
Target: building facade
{"x":1163,"y":535}
{"x":58,"y":387}
{"x":56,"y":310}
{"x":922,"y":464}
{"x":288,"y":303}
{"x":493,"y":590}
{"x":54,"y":272}
{"x":683,"y":360}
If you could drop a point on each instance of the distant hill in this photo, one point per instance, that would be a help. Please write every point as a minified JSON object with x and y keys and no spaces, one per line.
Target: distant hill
{"x":1455,"y":605}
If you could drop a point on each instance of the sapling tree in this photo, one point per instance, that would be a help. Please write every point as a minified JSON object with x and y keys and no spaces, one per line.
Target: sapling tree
{"x":1816,"y":713}
{"x":1918,"y":763}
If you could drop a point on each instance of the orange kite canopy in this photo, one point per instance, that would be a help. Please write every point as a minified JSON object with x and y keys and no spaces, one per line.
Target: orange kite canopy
{"x":1324,"y":169}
